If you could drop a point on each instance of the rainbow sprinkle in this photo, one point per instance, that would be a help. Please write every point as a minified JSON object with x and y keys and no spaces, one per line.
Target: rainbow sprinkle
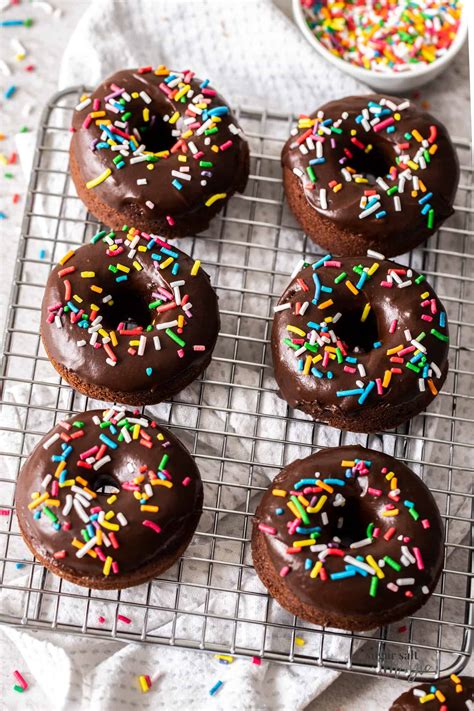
{"x":387,"y":35}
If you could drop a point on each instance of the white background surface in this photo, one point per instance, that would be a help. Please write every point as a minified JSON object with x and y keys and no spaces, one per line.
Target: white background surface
{"x":45,"y":42}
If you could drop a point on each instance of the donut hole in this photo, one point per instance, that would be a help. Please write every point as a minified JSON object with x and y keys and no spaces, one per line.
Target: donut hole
{"x":358,"y":336}
{"x":355,"y":520}
{"x":372,"y":165}
{"x":128,"y":308}
{"x":157,"y":135}
{"x":106,"y":484}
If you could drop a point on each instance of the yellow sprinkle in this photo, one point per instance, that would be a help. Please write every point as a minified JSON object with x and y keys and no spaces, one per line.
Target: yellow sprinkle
{"x":440,"y":696}
{"x":97,"y":289}
{"x":162,"y":482}
{"x":295,"y":329}
{"x":378,"y":571}
{"x":424,"y":295}
{"x":390,"y":512}
{"x":347,"y":463}
{"x":81,"y":481}
{"x":137,"y":266}
{"x":325,"y":304}
{"x":337,"y":187}
{"x":195,"y":267}
{"x":135,"y":94}
{"x":113,"y":337}
{"x":166,"y":263}
{"x":146,"y":113}
{"x":394,"y":483}
{"x":138,"y":495}
{"x":143,"y":683}
{"x":303,"y":500}
{"x":103,"y":333}
{"x":59,"y":468}
{"x":389,"y":476}
{"x":433,"y":149}
{"x":215,"y":149}
{"x":307,"y":365}
{"x":218,"y":196}
{"x":373,"y":268}
{"x":109,"y":515}
{"x":136,"y":431}
{"x":416,"y":134}
{"x":360,"y":180}
{"x":293,"y":509}
{"x":365,"y":312}
{"x":315,"y":572}
{"x":78,"y":299}
{"x":110,"y":526}
{"x":107,"y":565}
{"x":224,"y":657}
{"x":455,"y":678}
{"x":413,"y":165}
{"x":68,"y":482}
{"x":180,"y":321}
{"x":307,"y":542}
{"x":351,"y":287}
{"x":319,"y":505}
{"x":387,"y":378}
{"x":100,"y":179}
{"x":123,"y":268}
{"x":87,"y":275}
{"x":391,"y":351}
{"x":299,"y":641}
{"x":148,"y":507}
{"x":52,"y":502}
{"x":67,"y":256}
{"x":279,"y":492}
{"x":38,"y":501}
{"x":427,"y":697}
{"x":112,"y":499}
{"x":99,"y":535}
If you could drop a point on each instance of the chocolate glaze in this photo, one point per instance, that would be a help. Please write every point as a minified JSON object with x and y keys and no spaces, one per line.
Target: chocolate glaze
{"x":440,"y":177}
{"x":402,"y":304}
{"x":130,"y":300}
{"x":350,"y":596}
{"x":179,"y":506}
{"x":456,"y":693}
{"x":120,"y":190}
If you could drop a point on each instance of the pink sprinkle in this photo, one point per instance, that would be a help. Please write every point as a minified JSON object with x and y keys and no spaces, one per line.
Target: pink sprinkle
{"x":347,"y":368}
{"x":419,"y":559}
{"x":293,"y":526}
{"x":383,"y":124}
{"x":101,"y":620}
{"x":153,"y":526}
{"x":392,"y":587}
{"x":386,"y":284}
{"x":67,"y":525}
{"x":434,"y":308}
{"x":393,"y":326}
{"x":87,"y":121}
{"x":267,"y":529}
{"x":180,"y":353}
{"x":96,"y":105}
{"x":115,"y":567}
{"x":425,"y":302}
{"x":199,"y":348}
{"x":55,"y":307}
{"x":89,"y":452}
{"x":284,"y":571}
{"x":332,"y":263}
{"x":100,"y":554}
{"x":425,"y":317}
{"x":122,"y":618}
{"x":20,"y":680}
{"x":226,"y":145}
{"x":374,"y":492}
{"x":375,"y":533}
{"x":257,"y":661}
{"x":378,"y":382}
{"x":186,"y":481}
{"x":4,"y":512}
{"x":425,"y":523}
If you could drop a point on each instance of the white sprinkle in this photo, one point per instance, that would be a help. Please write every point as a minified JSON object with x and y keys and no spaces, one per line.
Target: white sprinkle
{"x":324,"y":518}
{"x":382,"y":183}
{"x":360,"y":544}
{"x":404,"y":105}
{"x":46,"y":481}
{"x":142,"y":181}
{"x":157,"y":343}
{"x":82,"y":343}
{"x":83,"y":104}
{"x":167,"y":324}
{"x":138,"y":159}
{"x":425,"y":590}
{"x":4,"y":68}
{"x":51,"y":440}
{"x":361,"y":370}
{"x":418,"y":345}
{"x":304,"y":308}
{"x":436,"y":370}
{"x":369,"y":211}
{"x":86,"y":547}
{"x":121,"y":519}
{"x":78,"y":490}
{"x":80,"y":511}
{"x":126,"y":435}
{"x":145,"y":97}
{"x":297,"y":268}
{"x":405,"y":283}
{"x":150,"y":204}
{"x":359,"y":564}
{"x":375,"y":255}
{"x":142,"y":345}
{"x":298,"y":172}
{"x":100,"y":463}
{"x":68,"y":505}
{"x":407,"y":334}
{"x":406,"y":551}
{"x":421,"y":385}
{"x":405,"y":581}
{"x":111,"y":362}
{"x":57,"y":321}
{"x":323,"y":199}
{"x":397,"y":204}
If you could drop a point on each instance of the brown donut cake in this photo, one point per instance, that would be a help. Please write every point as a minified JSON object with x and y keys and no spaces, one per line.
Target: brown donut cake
{"x":349,"y":538}
{"x":453,"y":694}
{"x":370,"y":172}
{"x":108,"y":499}
{"x":129,"y":318}
{"x":158,"y":149}
{"x":359,"y":343}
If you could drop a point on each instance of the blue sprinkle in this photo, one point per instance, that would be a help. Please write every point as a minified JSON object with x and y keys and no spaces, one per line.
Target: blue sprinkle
{"x":426,"y":209}
{"x":442,"y":319}
{"x":329,"y":375}
{"x":9,"y":92}
{"x":3,"y":216}
{"x":124,"y":277}
{"x":380,"y":214}
{"x":317,"y":161}
{"x":336,"y":482}
{"x":177,"y":184}
{"x":362,"y":280}
{"x":327,"y":289}
{"x":357,"y":571}
{"x":366,"y":392}
{"x":109,"y":442}
{"x":304,"y":482}
{"x":72,"y":307}
{"x":175,"y":269}
{"x":149,"y":371}
{"x":308,"y":564}
{"x":169,"y":252}
{"x":409,"y":504}
{"x":317,"y":373}
{"x":344,"y":574}
{"x":300,"y":364}
{"x":215,"y":688}
{"x":279,"y":511}
{"x":377,"y":344}
{"x":204,"y":84}
{"x":347,"y":393}
{"x":42,"y":253}
{"x":425,"y":198}
{"x":19,"y":566}
{"x":157,"y":257}
{"x":320,"y":262}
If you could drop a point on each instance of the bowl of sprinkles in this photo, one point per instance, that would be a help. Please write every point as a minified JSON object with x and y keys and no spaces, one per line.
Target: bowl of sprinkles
{"x":391,"y":45}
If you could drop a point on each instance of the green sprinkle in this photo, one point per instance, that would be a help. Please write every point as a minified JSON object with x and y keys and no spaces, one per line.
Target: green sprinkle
{"x":113,"y":268}
{"x":24,"y":129}
{"x":78,"y":423}
{"x":370,"y":528}
{"x":206,"y":164}
{"x":304,"y":516}
{"x":175,"y":338}
{"x":288,"y":342}
{"x":163,"y":462}
{"x":430,"y":219}
{"x":439,"y":335}
{"x":392,"y":190}
{"x":340,"y":358}
{"x":50,"y":514}
{"x":414,"y":514}
{"x":392,"y":563}
{"x":339,"y":278}
{"x":18,"y":688}
{"x":413,"y":367}
{"x":154,"y":304}
{"x":373,"y":586}
{"x":210,"y":131}
{"x":420,"y":278}
{"x":311,"y":174}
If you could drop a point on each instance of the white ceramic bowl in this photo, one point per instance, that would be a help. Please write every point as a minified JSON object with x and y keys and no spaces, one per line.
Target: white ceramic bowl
{"x":387,"y":82}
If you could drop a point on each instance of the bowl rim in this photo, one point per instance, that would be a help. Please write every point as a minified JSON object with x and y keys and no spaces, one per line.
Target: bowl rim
{"x":366,"y":75}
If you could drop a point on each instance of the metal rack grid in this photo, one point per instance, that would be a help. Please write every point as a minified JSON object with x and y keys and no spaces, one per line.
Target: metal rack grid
{"x":240,"y":432}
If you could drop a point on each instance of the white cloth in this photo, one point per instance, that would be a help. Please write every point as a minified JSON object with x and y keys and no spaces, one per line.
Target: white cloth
{"x":255,"y":56}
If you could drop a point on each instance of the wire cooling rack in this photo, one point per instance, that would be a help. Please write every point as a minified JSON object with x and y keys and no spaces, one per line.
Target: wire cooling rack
{"x":239,"y":431}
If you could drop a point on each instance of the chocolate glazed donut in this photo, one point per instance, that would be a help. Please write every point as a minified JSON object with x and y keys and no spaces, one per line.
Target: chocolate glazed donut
{"x":453,"y":694}
{"x":370,"y":172}
{"x":359,"y":343}
{"x":128,"y":318}
{"x":349,"y":538}
{"x":108,"y":499}
{"x":158,"y":149}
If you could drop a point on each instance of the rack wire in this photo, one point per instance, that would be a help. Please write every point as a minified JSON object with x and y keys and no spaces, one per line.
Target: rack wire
{"x":239,"y":431}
